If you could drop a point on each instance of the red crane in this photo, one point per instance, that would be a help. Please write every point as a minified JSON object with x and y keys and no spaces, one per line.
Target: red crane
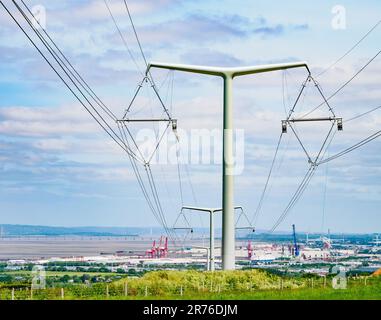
{"x":160,"y":251}
{"x":249,"y":250}
{"x":163,"y":251}
{"x":151,"y":252}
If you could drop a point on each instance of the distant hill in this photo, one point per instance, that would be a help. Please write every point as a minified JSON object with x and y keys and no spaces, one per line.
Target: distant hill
{"x":28,"y":230}
{"x":10,"y":230}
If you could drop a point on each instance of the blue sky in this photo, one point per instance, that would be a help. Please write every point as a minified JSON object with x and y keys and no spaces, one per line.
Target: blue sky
{"x":58,"y":168}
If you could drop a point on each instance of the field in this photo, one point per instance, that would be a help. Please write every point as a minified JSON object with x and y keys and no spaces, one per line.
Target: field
{"x":190,"y":285}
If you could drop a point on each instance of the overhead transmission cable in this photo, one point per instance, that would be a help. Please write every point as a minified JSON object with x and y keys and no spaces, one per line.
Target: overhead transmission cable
{"x":136,"y":34}
{"x":63,"y":66}
{"x":136,"y":170}
{"x":123,"y":38}
{"x":104,"y":126}
{"x":150,"y":177}
{"x":157,"y":200}
{"x":343,"y":85}
{"x":306,"y":180}
{"x":259,"y":207}
{"x":313,"y":163}
{"x":76,"y":82}
{"x":303,"y":185}
{"x":350,"y":50}
{"x":156,"y":206}
{"x":296,"y":196}
{"x":357,"y":145}
{"x":84,"y":82}
{"x":324,"y":199}
{"x":363,"y":114}
{"x":352,"y":148}
{"x":290,"y":113}
{"x":147,"y":165}
{"x":148,"y":72}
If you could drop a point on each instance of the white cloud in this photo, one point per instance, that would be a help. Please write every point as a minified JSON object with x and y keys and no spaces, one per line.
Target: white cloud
{"x":45,"y":121}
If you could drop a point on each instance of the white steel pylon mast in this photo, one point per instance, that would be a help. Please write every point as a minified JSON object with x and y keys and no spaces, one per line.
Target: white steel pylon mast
{"x":228,"y":75}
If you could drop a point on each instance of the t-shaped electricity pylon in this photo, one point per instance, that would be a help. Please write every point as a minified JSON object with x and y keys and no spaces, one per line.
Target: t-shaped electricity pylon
{"x":212,"y":212}
{"x":228,"y":74}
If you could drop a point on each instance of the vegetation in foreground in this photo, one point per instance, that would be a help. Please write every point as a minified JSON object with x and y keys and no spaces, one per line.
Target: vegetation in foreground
{"x":188,"y":285}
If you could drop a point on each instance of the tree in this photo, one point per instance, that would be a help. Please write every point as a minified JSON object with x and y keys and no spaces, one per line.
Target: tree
{"x":65,"y":278}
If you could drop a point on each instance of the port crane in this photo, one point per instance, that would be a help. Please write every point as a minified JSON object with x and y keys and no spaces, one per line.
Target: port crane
{"x":249,"y":250}
{"x":296,"y":246}
{"x":160,"y":251}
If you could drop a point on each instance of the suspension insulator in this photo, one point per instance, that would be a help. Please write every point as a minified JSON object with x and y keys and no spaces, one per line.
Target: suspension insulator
{"x":284,"y":126}
{"x":340,"y":124}
{"x":174,"y":125}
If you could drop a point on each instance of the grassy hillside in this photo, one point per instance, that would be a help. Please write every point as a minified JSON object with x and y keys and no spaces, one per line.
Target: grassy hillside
{"x":250,"y":284}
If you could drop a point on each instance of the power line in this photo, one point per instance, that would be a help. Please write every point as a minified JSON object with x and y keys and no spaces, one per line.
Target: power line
{"x":298,"y":193}
{"x":324,"y":198}
{"x":363,"y":114}
{"x":352,"y":148}
{"x":372,"y":137}
{"x":324,"y":143}
{"x":78,"y":82}
{"x":179,"y":174}
{"x":136,"y":34}
{"x":305,"y":182}
{"x":313,"y":164}
{"x":344,"y":85}
{"x":87,"y":87}
{"x":149,"y":74}
{"x":290,"y":113}
{"x":157,"y":212}
{"x":69,"y":74}
{"x":259,"y":207}
{"x":157,"y":200}
{"x":350,"y":50}
{"x":123,"y":144}
{"x":296,"y":196}
{"x":150,"y":79}
{"x":122,"y":37}
{"x":61,"y":77}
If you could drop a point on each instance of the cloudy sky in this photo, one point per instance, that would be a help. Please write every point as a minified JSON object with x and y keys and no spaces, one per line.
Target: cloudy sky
{"x":58,"y":167}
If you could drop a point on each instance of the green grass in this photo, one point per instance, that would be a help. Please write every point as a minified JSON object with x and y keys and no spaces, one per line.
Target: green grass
{"x":352,"y":293}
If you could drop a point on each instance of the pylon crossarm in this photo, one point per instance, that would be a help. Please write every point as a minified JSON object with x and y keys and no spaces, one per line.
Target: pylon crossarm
{"x":245,"y":228}
{"x":179,"y":228}
{"x":333,"y":120}
{"x":337,"y":120}
{"x":146,"y":120}
{"x":235,"y":208}
{"x":227,"y":72}
{"x":314,"y":119}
